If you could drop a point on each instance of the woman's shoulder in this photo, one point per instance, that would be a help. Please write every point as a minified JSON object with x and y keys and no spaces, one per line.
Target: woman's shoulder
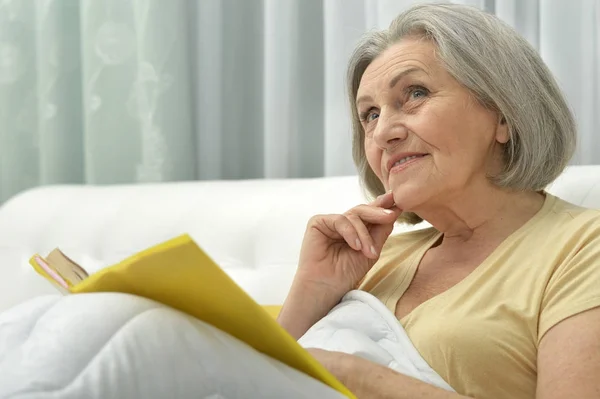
{"x":572,"y":259}
{"x":574,"y":220}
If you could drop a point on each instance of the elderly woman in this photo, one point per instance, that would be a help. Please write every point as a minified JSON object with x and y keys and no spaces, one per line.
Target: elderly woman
{"x":458,"y":122}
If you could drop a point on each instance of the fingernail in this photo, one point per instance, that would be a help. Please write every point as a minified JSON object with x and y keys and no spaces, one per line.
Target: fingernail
{"x":373,"y":251}
{"x":358,"y":245}
{"x":388,"y":211}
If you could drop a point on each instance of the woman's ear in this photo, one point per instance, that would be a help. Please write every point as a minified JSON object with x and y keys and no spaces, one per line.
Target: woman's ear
{"x":502,"y":134}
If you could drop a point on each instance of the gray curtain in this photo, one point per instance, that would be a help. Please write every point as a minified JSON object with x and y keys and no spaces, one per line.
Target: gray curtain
{"x":121,"y":91}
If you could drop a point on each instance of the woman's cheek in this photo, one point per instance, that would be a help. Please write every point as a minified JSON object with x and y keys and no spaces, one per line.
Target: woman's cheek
{"x":376,"y":168}
{"x":373,"y":154}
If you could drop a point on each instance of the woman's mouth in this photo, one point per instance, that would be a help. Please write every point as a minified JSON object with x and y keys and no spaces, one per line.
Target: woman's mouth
{"x":405,"y":162}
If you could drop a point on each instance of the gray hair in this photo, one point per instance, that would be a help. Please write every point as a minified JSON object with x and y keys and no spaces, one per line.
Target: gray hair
{"x":502,"y":70}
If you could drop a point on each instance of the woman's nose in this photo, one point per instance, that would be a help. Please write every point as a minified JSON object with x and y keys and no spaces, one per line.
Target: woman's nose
{"x":390,"y":131}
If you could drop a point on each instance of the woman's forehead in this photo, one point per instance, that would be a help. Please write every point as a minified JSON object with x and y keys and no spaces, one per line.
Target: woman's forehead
{"x":412,"y":56}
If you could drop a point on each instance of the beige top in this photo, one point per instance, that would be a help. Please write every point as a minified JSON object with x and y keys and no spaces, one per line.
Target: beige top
{"x":482,"y":334}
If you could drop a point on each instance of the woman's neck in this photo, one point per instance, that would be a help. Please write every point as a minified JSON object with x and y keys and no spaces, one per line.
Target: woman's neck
{"x":487,"y":216}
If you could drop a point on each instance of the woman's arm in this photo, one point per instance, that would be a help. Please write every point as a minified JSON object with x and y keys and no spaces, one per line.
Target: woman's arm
{"x":306,"y":304}
{"x":569,"y":359}
{"x":368,"y":380}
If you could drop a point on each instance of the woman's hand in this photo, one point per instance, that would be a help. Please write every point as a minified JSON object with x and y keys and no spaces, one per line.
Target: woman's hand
{"x":339,"y":250}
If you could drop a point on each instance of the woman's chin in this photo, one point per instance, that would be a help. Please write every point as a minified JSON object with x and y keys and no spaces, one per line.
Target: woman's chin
{"x":407,"y":199}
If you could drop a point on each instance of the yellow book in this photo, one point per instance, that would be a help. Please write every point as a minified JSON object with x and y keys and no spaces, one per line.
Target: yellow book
{"x":179,"y":274}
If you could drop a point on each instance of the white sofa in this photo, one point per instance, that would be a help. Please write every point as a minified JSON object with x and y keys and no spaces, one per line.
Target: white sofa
{"x":253,"y":229}
{"x":112,"y":345}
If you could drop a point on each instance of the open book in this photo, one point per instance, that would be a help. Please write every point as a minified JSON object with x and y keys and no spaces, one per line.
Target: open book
{"x":180,"y":275}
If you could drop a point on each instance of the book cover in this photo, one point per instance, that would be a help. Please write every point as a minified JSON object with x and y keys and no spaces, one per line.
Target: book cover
{"x":179,"y":274}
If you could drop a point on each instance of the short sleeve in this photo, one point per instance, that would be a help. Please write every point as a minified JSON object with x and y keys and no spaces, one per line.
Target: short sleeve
{"x":575,"y":284}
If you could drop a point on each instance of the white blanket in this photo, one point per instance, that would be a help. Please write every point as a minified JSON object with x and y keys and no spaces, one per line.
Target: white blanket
{"x":109,"y":345}
{"x":361,"y":325}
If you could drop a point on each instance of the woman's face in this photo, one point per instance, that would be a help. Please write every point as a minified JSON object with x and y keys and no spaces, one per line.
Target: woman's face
{"x":426,"y":137}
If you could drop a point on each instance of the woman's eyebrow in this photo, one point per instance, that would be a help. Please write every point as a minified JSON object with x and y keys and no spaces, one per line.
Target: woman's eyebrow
{"x":394,"y":81}
{"x":363,"y":98}
{"x":404,"y":73}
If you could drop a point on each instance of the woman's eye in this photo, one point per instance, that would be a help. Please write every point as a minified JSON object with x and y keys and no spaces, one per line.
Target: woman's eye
{"x":418,"y":92}
{"x":372,"y":116}
{"x":369,"y":116}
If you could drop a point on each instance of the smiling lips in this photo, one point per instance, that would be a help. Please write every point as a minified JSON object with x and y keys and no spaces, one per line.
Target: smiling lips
{"x":401,"y":161}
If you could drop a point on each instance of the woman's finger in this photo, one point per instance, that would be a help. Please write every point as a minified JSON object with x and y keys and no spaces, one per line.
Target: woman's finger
{"x":385,"y":200}
{"x":380,"y":234}
{"x":375,"y":215}
{"x":342,"y":226}
{"x":367,"y":244}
